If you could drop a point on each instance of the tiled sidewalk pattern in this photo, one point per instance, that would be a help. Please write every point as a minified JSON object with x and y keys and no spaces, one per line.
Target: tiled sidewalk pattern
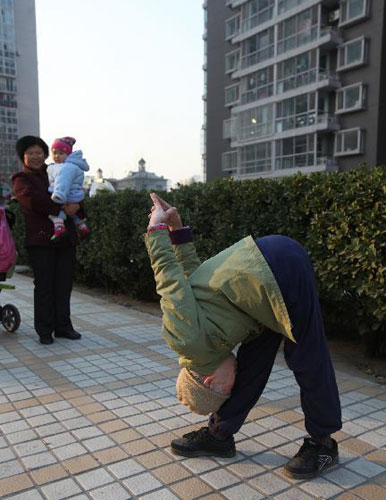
{"x":93,"y":419}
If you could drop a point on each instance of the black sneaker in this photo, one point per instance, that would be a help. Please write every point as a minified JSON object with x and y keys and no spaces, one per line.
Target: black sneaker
{"x":201,"y":443}
{"x":312,"y":459}
{"x":46,"y":340}
{"x":73,"y":335}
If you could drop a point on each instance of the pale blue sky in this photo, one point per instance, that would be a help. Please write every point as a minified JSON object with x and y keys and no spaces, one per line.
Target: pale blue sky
{"x":124,"y":77}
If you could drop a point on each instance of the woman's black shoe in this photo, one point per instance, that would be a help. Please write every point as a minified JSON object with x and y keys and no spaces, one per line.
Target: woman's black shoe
{"x":46,"y":340}
{"x":312,"y":459}
{"x":201,"y":443}
{"x":68,"y":335}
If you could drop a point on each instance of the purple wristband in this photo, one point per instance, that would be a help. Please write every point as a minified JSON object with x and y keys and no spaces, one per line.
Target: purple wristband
{"x":180,"y":236}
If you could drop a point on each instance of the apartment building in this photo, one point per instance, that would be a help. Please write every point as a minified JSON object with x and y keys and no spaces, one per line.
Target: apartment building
{"x":293,"y":85}
{"x":19,"y":100}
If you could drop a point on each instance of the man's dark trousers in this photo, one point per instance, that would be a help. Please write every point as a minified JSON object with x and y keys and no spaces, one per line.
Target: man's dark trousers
{"x":53,"y":270}
{"x":309,"y":358}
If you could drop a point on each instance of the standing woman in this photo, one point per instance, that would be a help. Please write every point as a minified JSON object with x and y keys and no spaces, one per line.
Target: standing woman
{"x":53,"y":265}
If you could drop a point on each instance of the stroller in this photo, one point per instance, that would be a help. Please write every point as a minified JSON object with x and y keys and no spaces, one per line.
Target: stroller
{"x":9,"y":314}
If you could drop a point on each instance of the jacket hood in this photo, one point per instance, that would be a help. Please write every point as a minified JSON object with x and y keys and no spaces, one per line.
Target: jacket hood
{"x":77,"y":158}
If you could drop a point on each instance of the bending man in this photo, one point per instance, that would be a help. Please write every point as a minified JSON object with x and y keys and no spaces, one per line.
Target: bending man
{"x":253,"y":293}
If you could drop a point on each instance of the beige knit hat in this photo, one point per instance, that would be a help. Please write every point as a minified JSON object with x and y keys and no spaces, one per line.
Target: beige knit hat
{"x":196,"y":396}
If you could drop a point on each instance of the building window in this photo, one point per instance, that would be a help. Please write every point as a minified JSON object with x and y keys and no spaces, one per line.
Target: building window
{"x":298,"y":30}
{"x":258,"y":85}
{"x":348,"y":142}
{"x":350,"y":98}
{"x":232,"y":27}
{"x":296,"y":72}
{"x":232,"y":95}
{"x":256,"y":12}
{"x":299,"y":111}
{"x":352,"y":11}
{"x":255,"y":158}
{"x":295,"y":152}
{"x":352,"y":53}
{"x":229,"y":128}
{"x":285,"y":5}
{"x":254,"y":123}
{"x":258,"y":48}
{"x":229,"y":161}
{"x":232,"y":61}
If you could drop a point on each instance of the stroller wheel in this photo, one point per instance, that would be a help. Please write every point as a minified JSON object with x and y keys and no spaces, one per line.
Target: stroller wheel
{"x":10,"y":317}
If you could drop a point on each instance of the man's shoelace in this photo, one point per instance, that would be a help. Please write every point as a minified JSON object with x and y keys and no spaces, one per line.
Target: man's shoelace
{"x":202,"y":433}
{"x":307,"y":449}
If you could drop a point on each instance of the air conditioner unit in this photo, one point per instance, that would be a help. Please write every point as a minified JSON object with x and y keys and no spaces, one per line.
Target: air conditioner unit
{"x":333,"y":16}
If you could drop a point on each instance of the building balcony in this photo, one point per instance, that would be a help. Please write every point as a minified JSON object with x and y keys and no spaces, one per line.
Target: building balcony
{"x":327,"y":122}
{"x":6,"y":90}
{"x":257,"y":19}
{"x":329,"y":37}
{"x":328,"y":162}
{"x":7,"y":104}
{"x":328,"y":80}
{"x":235,"y":3}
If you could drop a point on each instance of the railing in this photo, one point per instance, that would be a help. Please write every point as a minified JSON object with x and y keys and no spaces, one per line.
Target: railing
{"x":286,"y":5}
{"x":256,"y":166}
{"x":329,"y":30}
{"x":4,"y":88}
{"x":295,"y":81}
{"x":297,"y":40}
{"x":256,"y":57}
{"x":328,"y":75}
{"x":255,"y":131}
{"x":258,"y":18}
{"x":327,"y":119}
{"x":256,"y":94}
{"x":305,"y":78}
{"x":306,"y":120}
{"x":326,"y":160}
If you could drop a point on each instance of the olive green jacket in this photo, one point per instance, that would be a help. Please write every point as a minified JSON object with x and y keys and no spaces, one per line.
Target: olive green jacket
{"x":211,"y":307}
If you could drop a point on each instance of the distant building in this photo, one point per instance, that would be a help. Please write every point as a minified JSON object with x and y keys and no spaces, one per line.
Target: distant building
{"x":98,"y":184}
{"x":141,"y":180}
{"x":293,"y":85}
{"x":19,"y":99}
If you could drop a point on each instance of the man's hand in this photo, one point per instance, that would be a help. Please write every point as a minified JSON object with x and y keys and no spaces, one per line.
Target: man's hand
{"x":223,"y":378}
{"x":71,"y":208}
{"x":163,"y":213}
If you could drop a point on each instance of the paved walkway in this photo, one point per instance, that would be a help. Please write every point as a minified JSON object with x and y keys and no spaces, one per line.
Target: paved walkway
{"x":92,"y":419}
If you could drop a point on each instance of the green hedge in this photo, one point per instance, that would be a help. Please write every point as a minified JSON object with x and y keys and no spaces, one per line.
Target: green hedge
{"x":339,"y":217}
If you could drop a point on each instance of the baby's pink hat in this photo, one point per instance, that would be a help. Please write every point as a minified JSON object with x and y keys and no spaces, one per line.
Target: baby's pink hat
{"x":64,"y":144}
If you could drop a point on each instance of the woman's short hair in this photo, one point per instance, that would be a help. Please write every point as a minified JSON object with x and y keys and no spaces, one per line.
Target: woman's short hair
{"x":26,"y":142}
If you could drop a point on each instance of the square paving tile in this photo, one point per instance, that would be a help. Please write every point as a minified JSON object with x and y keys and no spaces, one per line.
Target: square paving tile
{"x":143,"y":483}
{"x":61,"y":489}
{"x":242,"y":492}
{"x":110,"y":492}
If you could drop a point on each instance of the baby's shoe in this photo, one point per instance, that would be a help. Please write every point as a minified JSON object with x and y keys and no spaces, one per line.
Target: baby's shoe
{"x":84,"y":232}
{"x":60,"y":232}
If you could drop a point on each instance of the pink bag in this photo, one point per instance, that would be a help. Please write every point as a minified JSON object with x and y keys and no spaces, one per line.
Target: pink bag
{"x":7,"y":245}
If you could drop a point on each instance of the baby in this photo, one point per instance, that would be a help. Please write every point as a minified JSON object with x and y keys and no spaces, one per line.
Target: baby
{"x":66,"y":177}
